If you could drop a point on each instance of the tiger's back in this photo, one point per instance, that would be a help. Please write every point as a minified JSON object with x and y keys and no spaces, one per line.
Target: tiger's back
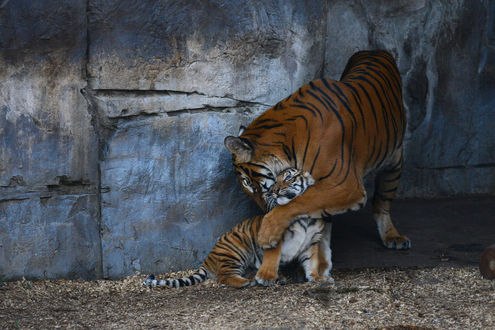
{"x":335,"y":129}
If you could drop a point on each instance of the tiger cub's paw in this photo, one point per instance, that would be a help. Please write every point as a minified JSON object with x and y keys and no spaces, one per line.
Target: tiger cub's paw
{"x":325,"y":279}
{"x":397,"y":243}
{"x":265,"y":282}
{"x":281,"y":280}
{"x":266,"y":278}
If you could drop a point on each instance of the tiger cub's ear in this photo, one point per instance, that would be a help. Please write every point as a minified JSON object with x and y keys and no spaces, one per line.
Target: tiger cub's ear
{"x":240,"y":149}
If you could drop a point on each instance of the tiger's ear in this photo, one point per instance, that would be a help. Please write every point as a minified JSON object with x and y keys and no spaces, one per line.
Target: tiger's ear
{"x":240,"y":149}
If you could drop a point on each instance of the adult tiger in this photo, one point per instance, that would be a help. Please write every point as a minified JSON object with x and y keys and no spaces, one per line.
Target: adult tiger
{"x":339,"y":131}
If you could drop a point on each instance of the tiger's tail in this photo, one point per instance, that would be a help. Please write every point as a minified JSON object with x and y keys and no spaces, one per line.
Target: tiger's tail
{"x":199,"y":276}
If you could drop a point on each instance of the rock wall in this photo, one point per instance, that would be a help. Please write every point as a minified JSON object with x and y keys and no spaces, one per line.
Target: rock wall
{"x":445,"y":52}
{"x":49,"y":209}
{"x":113,"y":114}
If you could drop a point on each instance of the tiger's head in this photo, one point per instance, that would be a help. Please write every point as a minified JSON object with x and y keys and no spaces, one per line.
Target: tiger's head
{"x":289,"y":184}
{"x":256,"y":166}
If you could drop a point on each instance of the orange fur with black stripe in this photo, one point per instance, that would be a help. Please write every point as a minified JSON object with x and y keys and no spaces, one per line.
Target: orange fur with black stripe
{"x":338,"y":131}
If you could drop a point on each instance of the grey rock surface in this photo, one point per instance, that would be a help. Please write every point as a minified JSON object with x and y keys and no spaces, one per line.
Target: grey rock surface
{"x":167,"y":198}
{"x":113,"y":115}
{"x":46,"y":235}
{"x":247,"y":50}
{"x":49,"y":209}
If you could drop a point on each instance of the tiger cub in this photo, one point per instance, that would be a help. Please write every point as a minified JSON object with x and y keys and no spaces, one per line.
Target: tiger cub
{"x":238,"y":249}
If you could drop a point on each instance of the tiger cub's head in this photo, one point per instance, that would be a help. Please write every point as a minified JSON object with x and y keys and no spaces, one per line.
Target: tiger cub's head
{"x":289,"y":184}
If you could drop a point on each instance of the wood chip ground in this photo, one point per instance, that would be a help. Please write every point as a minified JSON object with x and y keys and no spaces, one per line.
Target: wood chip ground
{"x":437,"y":298}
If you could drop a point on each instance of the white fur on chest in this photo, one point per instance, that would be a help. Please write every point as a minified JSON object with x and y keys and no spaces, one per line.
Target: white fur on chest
{"x":299,"y":237}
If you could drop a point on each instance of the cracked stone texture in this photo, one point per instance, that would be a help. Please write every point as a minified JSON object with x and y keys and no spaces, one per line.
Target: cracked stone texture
{"x":166,"y":200}
{"x":50,"y":236}
{"x":48,"y":164}
{"x":44,"y":122}
{"x":165,"y":82}
{"x":249,"y":50}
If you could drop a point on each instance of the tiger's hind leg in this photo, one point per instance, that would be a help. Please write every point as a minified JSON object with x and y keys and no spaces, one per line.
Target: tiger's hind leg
{"x":317,"y":259}
{"x":325,"y":252}
{"x":386,"y":183}
{"x":310,"y":261}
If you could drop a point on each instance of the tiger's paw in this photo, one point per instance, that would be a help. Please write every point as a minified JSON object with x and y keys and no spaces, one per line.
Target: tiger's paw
{"x":397,"y":243}
{"x":269,"y":233}
{"x":320,"y":278}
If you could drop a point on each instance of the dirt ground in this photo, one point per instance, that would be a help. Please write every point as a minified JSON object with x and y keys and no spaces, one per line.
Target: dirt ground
{"x":440,"y":297}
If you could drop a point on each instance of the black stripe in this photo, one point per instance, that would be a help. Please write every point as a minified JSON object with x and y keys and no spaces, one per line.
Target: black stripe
{"x":294,"y":156}
{"x":372,"y":106}
{"x":397,"y":177}
{"x":342,"y":98}
{"x":384,"y":114}
{"x":314,"y":160}
{"x":303,"y":260}
{"x":256,"y":165}
{"x":339,"y":118}
{"x":287,"y":152}
{"x":269,"y":126}
{"x":227,"y":257}
{"x":301,"y":105}
{"x":308,"y":138}
{"x":229,"y":245}
{"x":260,"y":175}
{"x":263,"y":121}
{"x":357,"y":101}
{"x":385,"y":94}
{"x":349,"y":160}
{"x":375,"y":161}
{"x":370,"y":155}
{"x":299,"y":117}
{"x":192,"y":279}
{"x":308,"y":106}
{"x":329,"y":173}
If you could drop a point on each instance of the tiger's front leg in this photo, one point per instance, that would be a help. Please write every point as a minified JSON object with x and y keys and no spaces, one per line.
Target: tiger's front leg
{"x":322,"y":197}
{"x":267,"y":274}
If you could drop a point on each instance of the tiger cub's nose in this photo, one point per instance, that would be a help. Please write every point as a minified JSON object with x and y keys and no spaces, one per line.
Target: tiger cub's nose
{"x":290,"y":194}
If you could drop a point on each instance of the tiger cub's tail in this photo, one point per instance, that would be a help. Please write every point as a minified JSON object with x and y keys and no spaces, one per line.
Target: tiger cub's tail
{"x":199,"y":276}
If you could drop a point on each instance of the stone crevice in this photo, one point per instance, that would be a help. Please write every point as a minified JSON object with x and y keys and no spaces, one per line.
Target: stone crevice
{"x":130,"y":93}
{"x":454,"y":167}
